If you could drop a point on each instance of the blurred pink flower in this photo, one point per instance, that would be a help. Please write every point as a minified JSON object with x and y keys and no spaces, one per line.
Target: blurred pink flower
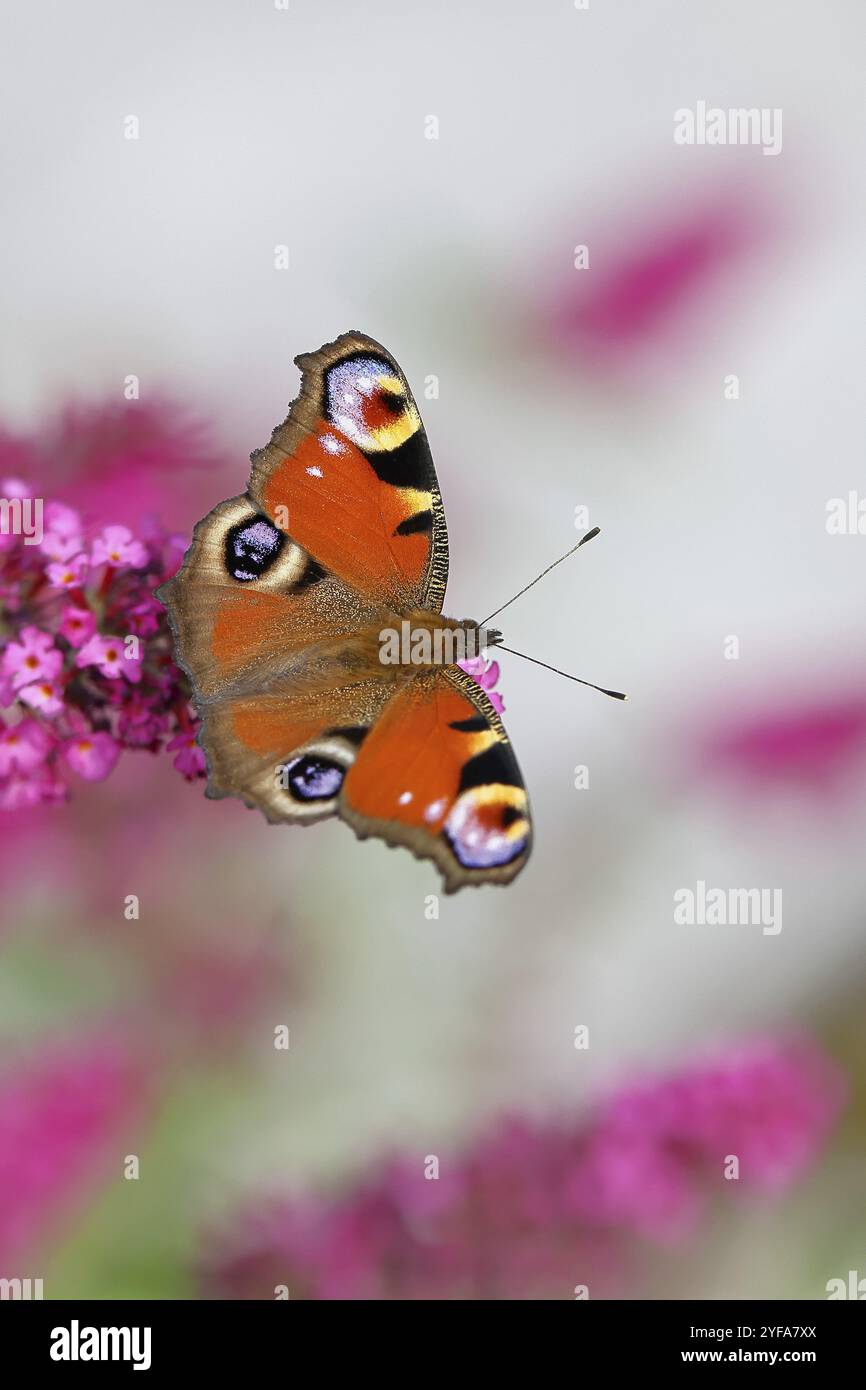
{"x":61,"y":549}
{"x":39,"y":787}
{"x":62,"y":520}
{"x":530,"y":1210}
{"x":67,"y":574}
{"x":117,"y":546}
{"x":485,"y":673}
{"x":656,"y":274}
{"x":43,"y":696}
{"x":110,"y":656}
{"x":23,"y":747}
{"x":120,"y":461}
{"x":812,"y":743}
{"x":77,"y":625}
{"x":67,"y":1115}
{"x":92,"y":756}
{"x":33,"y":657}
{"x":767,"y":1104}
{"x":67,"y":651}
{"x":190,"y":760}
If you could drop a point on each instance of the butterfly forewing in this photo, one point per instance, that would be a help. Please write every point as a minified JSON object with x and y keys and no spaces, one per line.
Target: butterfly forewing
{"x":349,"y":476}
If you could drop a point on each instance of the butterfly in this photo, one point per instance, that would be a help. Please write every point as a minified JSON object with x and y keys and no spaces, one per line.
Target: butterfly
{"x":278,"y":615}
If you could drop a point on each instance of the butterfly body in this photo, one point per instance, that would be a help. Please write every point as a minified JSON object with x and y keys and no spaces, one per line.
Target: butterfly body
{"x":308,"y":616}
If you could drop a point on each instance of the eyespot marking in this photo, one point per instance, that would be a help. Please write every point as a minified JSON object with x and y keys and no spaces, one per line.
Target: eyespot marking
{"x":313,"y":778}
{"x":251,"y":547}
{"x":367,"y":401}
{"x":487,"y":826}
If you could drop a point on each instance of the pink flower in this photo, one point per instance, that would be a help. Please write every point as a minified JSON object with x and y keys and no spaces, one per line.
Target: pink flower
{"x":92,"y":756}
{"x":21,"y":794}
{"x":23,"y":747}
{"x":14,"y":487}
{"x":485,"y":673}
{"x":44,"y":696}
{"x":141,"y":724}
{"x":815,"y":744}
{"x":112,"y":656}
{"x":117,"y":546}
{"x":190,"y":761}
{"x":77,"y":625}
{"x":63,"y":532}
{"x":34,"y":657}
{"x":123,"y":463}
{"x":65,"y":1113}
{"x":528,"y":1204}
{"x":659,"y":283}
{"x":67,"y":574}
{"x":60,"y":548}
{"x":145,"y":617}
{"x":62,"y":520}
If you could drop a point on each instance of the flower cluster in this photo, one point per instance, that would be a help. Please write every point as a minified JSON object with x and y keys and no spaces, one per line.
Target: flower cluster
{"x":86,"y":667}
{"x":533,"y":1210}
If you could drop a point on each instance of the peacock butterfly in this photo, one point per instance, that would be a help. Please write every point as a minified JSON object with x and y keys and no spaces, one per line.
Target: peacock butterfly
{"x":279,"y":613}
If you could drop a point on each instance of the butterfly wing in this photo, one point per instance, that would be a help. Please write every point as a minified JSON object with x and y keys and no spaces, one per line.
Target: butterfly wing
{"x":288,"y":753}
{"x":437,"y":774}
{"x":261,"y":630}
{"x":250,"y":609}
{"x":348,"y":475}
{"x":427,"y":765}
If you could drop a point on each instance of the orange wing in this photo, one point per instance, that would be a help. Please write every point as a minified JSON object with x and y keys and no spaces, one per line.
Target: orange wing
{"x":251,"y":611}
{"x":436,"y":773}
{"x":287,"y":754}
{"x":428,"y":766}
{"x":348,"y":475}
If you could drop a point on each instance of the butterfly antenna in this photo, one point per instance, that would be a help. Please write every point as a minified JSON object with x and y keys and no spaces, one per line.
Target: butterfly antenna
{"x":614,"y":694}
{"x":590,"y":535}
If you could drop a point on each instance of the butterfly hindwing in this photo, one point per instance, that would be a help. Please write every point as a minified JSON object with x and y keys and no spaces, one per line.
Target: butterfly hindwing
{"x":426,"y":765}
{"x":436,"y":773}
{"x":287,"y":754}
{"x":349,"y":476}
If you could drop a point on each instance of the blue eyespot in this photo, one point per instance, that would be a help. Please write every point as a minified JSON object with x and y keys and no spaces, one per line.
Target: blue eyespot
{"x":313,"y":778}
{"x":251,"y":547}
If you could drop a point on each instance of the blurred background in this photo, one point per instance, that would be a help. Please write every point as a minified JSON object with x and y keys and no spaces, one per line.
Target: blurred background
{"x":430,"y":174}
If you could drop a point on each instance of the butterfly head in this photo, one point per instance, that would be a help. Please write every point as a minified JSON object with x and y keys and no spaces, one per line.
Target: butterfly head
{"x":479,"y":636}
